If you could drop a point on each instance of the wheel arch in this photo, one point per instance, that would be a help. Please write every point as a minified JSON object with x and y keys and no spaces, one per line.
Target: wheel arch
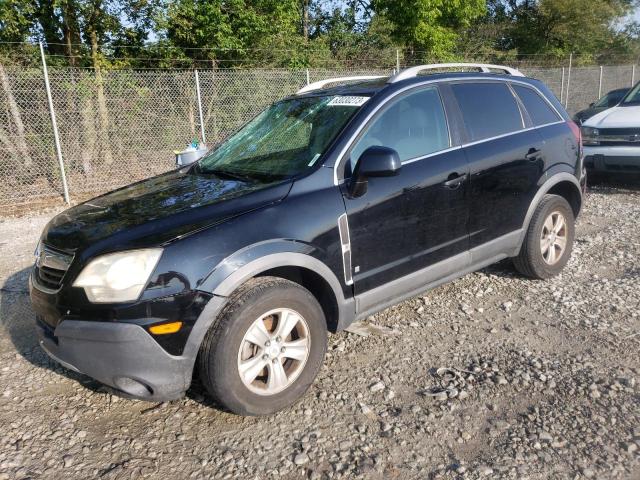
{"x":274,"y":259}
{"x":563,"y":184}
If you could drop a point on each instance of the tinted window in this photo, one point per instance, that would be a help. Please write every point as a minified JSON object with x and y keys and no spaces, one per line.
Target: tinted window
{"x":538,"y":109}
{"x":488,"y":109}
{"x":414,"y":126}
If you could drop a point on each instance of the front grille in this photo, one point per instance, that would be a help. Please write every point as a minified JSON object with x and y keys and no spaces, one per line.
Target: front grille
{"x":619,"y":131}
{"x":612,"y":137}
{"x":51,"y":266}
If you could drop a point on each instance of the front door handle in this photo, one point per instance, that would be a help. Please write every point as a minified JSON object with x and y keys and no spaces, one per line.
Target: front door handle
{"x":533,"y":154}
{"x":455,"y":180}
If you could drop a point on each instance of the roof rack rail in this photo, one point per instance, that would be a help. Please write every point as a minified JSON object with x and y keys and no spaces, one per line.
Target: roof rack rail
{"x":318,"y":85}
{"x":484,"y":67}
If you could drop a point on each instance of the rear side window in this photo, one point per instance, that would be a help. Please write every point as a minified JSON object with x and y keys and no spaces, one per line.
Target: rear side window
{"x":488,"y":109}
{"x":539,"y":110}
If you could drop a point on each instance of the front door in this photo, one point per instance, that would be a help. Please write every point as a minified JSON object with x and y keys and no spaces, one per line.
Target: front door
{"x":406,"y":223}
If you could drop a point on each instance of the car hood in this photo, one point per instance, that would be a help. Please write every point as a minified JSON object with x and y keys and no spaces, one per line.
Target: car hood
{"x":616,"y":117}
{"x":157,"y":210}
{"x":587,"y":113}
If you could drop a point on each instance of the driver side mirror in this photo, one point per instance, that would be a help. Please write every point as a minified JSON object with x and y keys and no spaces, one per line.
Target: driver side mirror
{"x":375,"y":161}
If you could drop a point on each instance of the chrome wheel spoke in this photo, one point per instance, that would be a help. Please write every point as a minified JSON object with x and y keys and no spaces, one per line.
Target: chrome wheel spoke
{"x":286,"y":323}
{"x":297,"y":349}
{"x":551,"y":257}
{"x":558,"y":225}
{"x":277,"y":377}
{"x":548,"y":224}
{"x":258,"y":334}
{"x":561,"y":242}
{"x":544,"y":245}
{"x":251,"y":368}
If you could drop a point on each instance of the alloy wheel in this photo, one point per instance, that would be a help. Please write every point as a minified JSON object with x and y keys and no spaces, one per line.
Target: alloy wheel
{"x":553,"y":239}
{"x":274,"y":351}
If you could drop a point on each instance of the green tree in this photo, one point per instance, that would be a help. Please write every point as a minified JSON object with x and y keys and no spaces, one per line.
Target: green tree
{"x":228,"y":31}
{"x":559,"y":27}
{"x":430,"y":26}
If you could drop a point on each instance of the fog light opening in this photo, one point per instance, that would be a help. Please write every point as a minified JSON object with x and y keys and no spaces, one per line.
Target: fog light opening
{"x":133,"y":387}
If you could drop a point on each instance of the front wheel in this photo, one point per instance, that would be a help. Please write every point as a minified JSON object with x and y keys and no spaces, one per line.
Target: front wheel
{"x":266,"y":347}
{"x":548,"y":243}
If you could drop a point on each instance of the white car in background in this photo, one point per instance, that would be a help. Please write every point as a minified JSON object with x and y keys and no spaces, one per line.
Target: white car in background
{"x":611,"y":138}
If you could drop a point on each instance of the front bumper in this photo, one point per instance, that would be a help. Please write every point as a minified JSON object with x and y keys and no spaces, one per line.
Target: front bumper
{"x":613,"y":159}
{"x":120,"y":355}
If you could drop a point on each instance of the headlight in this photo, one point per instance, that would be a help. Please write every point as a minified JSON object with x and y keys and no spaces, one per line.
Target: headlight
{"x":590,"y":136}
{"x":118,"y":277}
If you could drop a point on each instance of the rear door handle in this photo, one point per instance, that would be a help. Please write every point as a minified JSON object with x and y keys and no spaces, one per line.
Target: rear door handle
{"x":533,"y":154}
{"x":455,"y":180}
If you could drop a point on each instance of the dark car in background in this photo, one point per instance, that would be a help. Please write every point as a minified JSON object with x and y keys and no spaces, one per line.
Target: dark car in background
{"x":610,"y":99}
{"x":332,"y":204}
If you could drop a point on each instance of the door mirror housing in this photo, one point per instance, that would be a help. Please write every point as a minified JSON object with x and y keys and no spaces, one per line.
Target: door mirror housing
{"x":375,"y":161}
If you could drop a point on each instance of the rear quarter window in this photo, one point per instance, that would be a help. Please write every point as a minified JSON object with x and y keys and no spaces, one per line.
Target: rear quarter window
{"x":538,"y":109}
{"x":488,"y":109}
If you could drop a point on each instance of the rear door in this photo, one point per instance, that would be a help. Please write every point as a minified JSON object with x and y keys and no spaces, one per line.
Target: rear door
{"x":558,"y":144}
{"x":505,"y":158}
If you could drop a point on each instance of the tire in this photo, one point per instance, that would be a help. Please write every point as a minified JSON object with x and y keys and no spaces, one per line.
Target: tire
{"x":596,"y":178}
{"x":236,"y":342}
{"x":531,"y":261}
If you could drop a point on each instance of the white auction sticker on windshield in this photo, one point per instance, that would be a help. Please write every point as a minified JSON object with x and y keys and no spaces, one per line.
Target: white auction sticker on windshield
{"x":348,"y":101}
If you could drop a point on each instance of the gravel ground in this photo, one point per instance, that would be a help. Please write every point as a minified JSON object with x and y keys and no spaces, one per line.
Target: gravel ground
{"x":490,"y":376}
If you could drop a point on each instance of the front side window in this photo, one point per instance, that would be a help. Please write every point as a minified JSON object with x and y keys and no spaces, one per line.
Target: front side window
{"x":488,"y":109}
{"x":539,"y":110}
{"x":283,"y":141}
{"x":414,"y":126}
{"x":633,"y":97}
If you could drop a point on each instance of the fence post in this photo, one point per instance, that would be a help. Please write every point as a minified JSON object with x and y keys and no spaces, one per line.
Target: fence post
{"x":398,"y":60}
{"x":307,"y":72}
{"x":566,"y":97}
{"x":600,"y":83}
{"x":54,"y":125}
{"x":633,"y":74}
{"x":562,"y":87}
{"x":204,"y":139}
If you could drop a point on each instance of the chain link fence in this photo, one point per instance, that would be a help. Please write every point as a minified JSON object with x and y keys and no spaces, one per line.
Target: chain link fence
{"x":119,"y":126}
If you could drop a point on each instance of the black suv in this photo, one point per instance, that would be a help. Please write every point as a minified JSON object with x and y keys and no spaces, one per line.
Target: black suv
{"x":330,"y":205}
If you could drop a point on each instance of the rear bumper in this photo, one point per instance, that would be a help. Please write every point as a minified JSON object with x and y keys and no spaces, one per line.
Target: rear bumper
{"x":612,"y":159}
{"x":120,"y":355}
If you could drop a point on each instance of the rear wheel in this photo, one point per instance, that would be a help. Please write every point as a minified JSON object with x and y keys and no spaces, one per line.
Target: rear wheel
{"x":548,"y":243}
{"x":265,"y":348}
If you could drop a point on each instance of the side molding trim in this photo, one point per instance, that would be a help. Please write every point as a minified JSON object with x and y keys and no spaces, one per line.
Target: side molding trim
{"x":345,"y":242}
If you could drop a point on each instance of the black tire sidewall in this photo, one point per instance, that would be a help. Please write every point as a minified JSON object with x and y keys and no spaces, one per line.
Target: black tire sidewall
{"x":227,"y":385}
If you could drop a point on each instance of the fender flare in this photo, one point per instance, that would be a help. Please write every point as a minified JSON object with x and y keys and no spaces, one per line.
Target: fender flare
{"x":250,"y":261}
{"x":542,"y":191}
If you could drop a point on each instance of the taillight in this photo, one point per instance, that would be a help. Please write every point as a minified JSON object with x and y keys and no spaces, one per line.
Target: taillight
{"x":575,"y":129}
